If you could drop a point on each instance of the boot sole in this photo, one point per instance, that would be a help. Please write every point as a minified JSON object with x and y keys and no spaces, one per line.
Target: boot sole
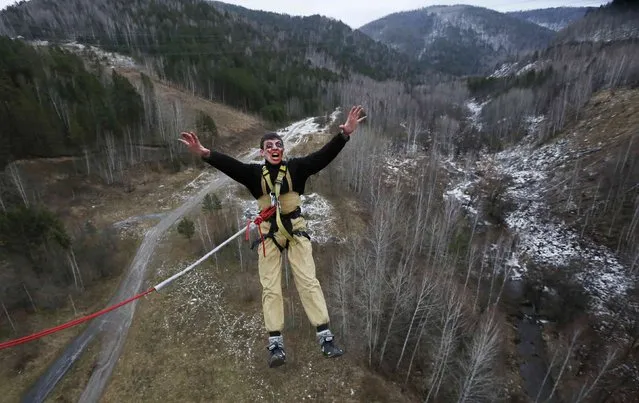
{"x":276,"y":363}
{"x":334,"y":355}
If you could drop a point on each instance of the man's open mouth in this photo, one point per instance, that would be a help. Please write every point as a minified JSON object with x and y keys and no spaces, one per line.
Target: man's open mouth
{"x":275,"y":155}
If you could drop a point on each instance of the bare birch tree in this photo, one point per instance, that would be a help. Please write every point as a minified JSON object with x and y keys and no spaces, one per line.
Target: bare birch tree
{"x":17,"y":181}
{"x":479,"y":379}
{"x":13,"y":326}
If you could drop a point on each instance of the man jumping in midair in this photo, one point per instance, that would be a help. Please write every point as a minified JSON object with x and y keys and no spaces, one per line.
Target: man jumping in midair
{"x":281,"y":182}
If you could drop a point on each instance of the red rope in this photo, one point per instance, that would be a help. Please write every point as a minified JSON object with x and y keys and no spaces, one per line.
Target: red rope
{"x":25,"y":339}
{"x":264,"y":215}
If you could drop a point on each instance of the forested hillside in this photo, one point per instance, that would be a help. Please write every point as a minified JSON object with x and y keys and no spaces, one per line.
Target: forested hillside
{"x":615,"y":21}
{"x":553,"y":84}
{"x":54,"y":105}
{"x":277,"y":66}
{"x":458,"y":39}
{"x":555,"y":18}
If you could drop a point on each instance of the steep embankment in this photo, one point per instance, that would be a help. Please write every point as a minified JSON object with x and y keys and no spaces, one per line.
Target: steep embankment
{"x":570,"y":205}
{"x":545,"y":187}
{"x":232,"y":124}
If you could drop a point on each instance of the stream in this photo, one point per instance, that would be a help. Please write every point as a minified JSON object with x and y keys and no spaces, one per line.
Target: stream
{"x":530,"y":348}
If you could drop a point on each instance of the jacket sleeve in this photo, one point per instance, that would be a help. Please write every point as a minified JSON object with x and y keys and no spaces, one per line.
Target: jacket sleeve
{"x":318,"y":160}
{"x":236,"y":170}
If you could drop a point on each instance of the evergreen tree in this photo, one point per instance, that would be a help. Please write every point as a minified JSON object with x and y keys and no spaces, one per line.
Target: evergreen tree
{"x":205,"y":124}
{"x":186,"y":227}
{"x":211,"y":203}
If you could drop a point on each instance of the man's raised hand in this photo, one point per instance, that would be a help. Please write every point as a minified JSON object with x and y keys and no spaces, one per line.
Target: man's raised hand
{"x":353,"y":120}
{"x":194,"y":145}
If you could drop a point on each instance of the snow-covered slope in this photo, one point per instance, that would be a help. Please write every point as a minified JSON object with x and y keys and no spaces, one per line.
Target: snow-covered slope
{"x":543,"y":238}
{"x":110,"y":59}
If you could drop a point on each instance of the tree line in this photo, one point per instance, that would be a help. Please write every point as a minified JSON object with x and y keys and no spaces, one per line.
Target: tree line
{"x":53,"y":105}
{"x":258,"y":62}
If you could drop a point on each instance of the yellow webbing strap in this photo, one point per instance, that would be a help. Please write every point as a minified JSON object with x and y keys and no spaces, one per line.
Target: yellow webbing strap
{"x":289,"y":180}
{"x":278,"y":184}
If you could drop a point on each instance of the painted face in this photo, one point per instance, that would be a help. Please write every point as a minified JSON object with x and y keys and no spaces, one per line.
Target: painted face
{"x":273,"y":151}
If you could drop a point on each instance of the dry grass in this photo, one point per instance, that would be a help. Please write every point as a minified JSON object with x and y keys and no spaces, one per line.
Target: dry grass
{"x":103,"y":205}
{"x":202,"y":339}
{"x":151,"y":189}
{"x":237,"y":130}
{"x":228,"y":120}
{"x":22,"y":365}
{"x":595,"y":190}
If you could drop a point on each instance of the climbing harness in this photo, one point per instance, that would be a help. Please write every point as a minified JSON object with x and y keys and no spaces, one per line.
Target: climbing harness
{"x":275,"y":196}
{"x":281,"y":221}
{"x":265,"y":214}
{"x":271,"y":234}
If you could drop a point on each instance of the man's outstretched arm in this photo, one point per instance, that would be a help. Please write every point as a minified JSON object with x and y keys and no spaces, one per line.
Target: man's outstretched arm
{"x":318,"y":160}
{"x":236,"y":170}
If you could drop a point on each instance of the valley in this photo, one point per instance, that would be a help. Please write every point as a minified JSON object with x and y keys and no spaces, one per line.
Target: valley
{"x":476,"y":238}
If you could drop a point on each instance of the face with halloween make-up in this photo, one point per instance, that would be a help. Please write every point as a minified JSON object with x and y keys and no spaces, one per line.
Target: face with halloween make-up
{"x":273,"y":151}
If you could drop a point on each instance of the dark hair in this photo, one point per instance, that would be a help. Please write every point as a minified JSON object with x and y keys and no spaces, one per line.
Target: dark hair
{"x":270,"y":136}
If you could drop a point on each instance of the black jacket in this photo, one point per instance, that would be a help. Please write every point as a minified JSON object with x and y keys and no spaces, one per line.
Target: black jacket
{"x":300,"y":168}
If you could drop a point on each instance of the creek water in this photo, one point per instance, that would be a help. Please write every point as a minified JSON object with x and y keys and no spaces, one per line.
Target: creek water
{"x":531,"y":347}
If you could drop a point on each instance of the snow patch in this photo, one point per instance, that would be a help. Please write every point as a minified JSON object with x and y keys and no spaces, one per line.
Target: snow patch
{"x":398,"y":164}
{"x":546,"y":240}
{"x":459,"y":193}
{"x":509,"y":69}
{"x":316,"y":210}
{"x":534,"y":123}
{"x":542,"y":238}
{"x":527,"y":68}
{"x":504,"y":70}
{"x":476,"y":109}
{"x":111,"y":59}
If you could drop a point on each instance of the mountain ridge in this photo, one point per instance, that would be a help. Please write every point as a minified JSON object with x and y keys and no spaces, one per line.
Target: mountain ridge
{"x":458,"y":39}
{"x":555,"y":18}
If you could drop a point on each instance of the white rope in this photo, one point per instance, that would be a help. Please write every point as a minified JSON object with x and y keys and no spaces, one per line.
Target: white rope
{"x":200,"y":260}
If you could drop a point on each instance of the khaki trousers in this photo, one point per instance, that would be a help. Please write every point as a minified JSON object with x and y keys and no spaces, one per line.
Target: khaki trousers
{"x":300,"y":258}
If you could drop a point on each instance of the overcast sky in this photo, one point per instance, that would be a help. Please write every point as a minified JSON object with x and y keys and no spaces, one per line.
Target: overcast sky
{"x":358,"y":13}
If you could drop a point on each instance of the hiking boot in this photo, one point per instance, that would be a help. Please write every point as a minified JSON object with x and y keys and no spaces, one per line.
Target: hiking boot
{"x":327,"y":342}
{"x":277,"y":356}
